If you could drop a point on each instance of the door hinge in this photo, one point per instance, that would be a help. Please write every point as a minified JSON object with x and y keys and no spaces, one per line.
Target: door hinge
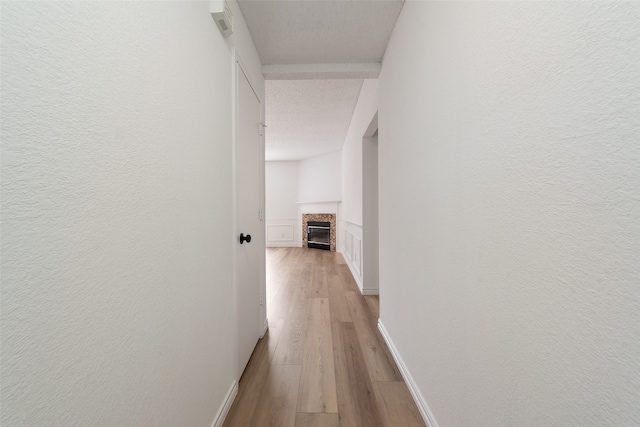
{"x":260,"y":214}
{"x":261,"y":127}
{"x":261,"y":299}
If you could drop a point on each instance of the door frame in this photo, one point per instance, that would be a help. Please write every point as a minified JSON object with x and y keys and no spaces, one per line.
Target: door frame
{"x":238,"y":65}
{"x":370,"y":214}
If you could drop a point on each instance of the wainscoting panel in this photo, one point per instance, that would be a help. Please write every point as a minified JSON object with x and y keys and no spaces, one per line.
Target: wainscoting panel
{"x":348,"y":242}
{"x":356,"y":251}
{"x":283,"y":233}
{"x":280,"y":233}
{"x":352,"y":249}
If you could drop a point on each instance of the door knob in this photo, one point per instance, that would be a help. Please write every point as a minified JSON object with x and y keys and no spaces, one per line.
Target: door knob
{"x":244,"y":238}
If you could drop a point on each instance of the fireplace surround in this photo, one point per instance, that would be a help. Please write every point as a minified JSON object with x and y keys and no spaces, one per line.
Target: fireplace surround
{"x":319,"y":218}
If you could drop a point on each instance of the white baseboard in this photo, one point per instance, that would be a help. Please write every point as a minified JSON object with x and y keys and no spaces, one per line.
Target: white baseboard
{"x":371,"y":292}
{"x":226,"y":405}
{"x":287,"y":244}
{"x":265,"y":327}
{"x":426,"y":413}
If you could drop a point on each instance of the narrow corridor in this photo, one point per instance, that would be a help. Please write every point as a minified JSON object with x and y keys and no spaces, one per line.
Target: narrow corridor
{"x":323,"y":361}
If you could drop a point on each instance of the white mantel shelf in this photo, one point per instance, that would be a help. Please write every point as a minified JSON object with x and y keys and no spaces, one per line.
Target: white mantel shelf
{"x":317,"y":203}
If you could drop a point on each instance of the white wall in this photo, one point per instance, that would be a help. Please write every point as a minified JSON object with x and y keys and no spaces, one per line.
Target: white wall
{"x":241,"y":41}
{"x":310,"y":185}
{"x":117,"y":237}
{"x":509,"y":182}
{"x":351,"y":238}
{"x":370,"y":223}
{"x":281,"y":184}
{"x":364,"y":112}
{"x":283,"y":219}
{"x":320,"y":178}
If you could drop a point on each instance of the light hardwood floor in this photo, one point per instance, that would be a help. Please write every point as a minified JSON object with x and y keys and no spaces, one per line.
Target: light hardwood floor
{"x":323,"y":361}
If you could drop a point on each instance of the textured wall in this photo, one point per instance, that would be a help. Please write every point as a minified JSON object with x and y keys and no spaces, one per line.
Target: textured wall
{"x":510,"y":210}
{"x":116,"y":217}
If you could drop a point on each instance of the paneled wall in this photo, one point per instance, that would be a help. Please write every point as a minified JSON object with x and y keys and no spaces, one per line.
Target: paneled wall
{"x":350,"y":245}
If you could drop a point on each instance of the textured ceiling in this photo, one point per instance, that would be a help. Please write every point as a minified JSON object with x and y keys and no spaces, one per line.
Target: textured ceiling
{"x":315,"y":32}
{"x":306,"y":118}
{"x":311,"y":40}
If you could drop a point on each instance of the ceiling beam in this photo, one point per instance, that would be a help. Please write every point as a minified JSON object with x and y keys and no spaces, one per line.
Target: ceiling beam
{"x":369,"y":70}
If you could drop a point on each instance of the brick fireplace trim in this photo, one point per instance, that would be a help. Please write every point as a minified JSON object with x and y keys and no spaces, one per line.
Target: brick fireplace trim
{"x":330,"y":218}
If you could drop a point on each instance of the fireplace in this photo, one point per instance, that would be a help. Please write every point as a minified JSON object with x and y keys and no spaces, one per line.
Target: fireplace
{"x":319,"y":235}
{"x":319,"y":231}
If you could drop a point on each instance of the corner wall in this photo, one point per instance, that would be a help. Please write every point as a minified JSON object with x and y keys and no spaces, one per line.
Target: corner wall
{"x":320,"y":178}
{"x":509,"y":208}
{"x":296,"y":187}
{"x":117,"y":221}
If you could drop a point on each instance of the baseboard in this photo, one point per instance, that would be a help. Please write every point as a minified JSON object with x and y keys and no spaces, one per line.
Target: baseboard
{"x":226,"y":405}
{"x":426,"y":413}
{"x":287,"y":244}
{"x":371,"y":292}
{"x":265,"y":327}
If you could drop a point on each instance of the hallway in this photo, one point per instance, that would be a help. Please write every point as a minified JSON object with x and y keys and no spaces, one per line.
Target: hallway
{"x":323,"y":361}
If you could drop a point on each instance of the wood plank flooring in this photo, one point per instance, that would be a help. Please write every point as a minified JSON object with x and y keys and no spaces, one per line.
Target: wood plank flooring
{"x":323,"y":361}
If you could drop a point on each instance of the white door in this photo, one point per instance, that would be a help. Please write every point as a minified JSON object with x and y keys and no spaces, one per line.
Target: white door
{"x":248,"y":253}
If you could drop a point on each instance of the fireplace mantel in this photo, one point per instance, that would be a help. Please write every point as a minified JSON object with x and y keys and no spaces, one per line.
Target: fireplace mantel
{"x":323,"y":206}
